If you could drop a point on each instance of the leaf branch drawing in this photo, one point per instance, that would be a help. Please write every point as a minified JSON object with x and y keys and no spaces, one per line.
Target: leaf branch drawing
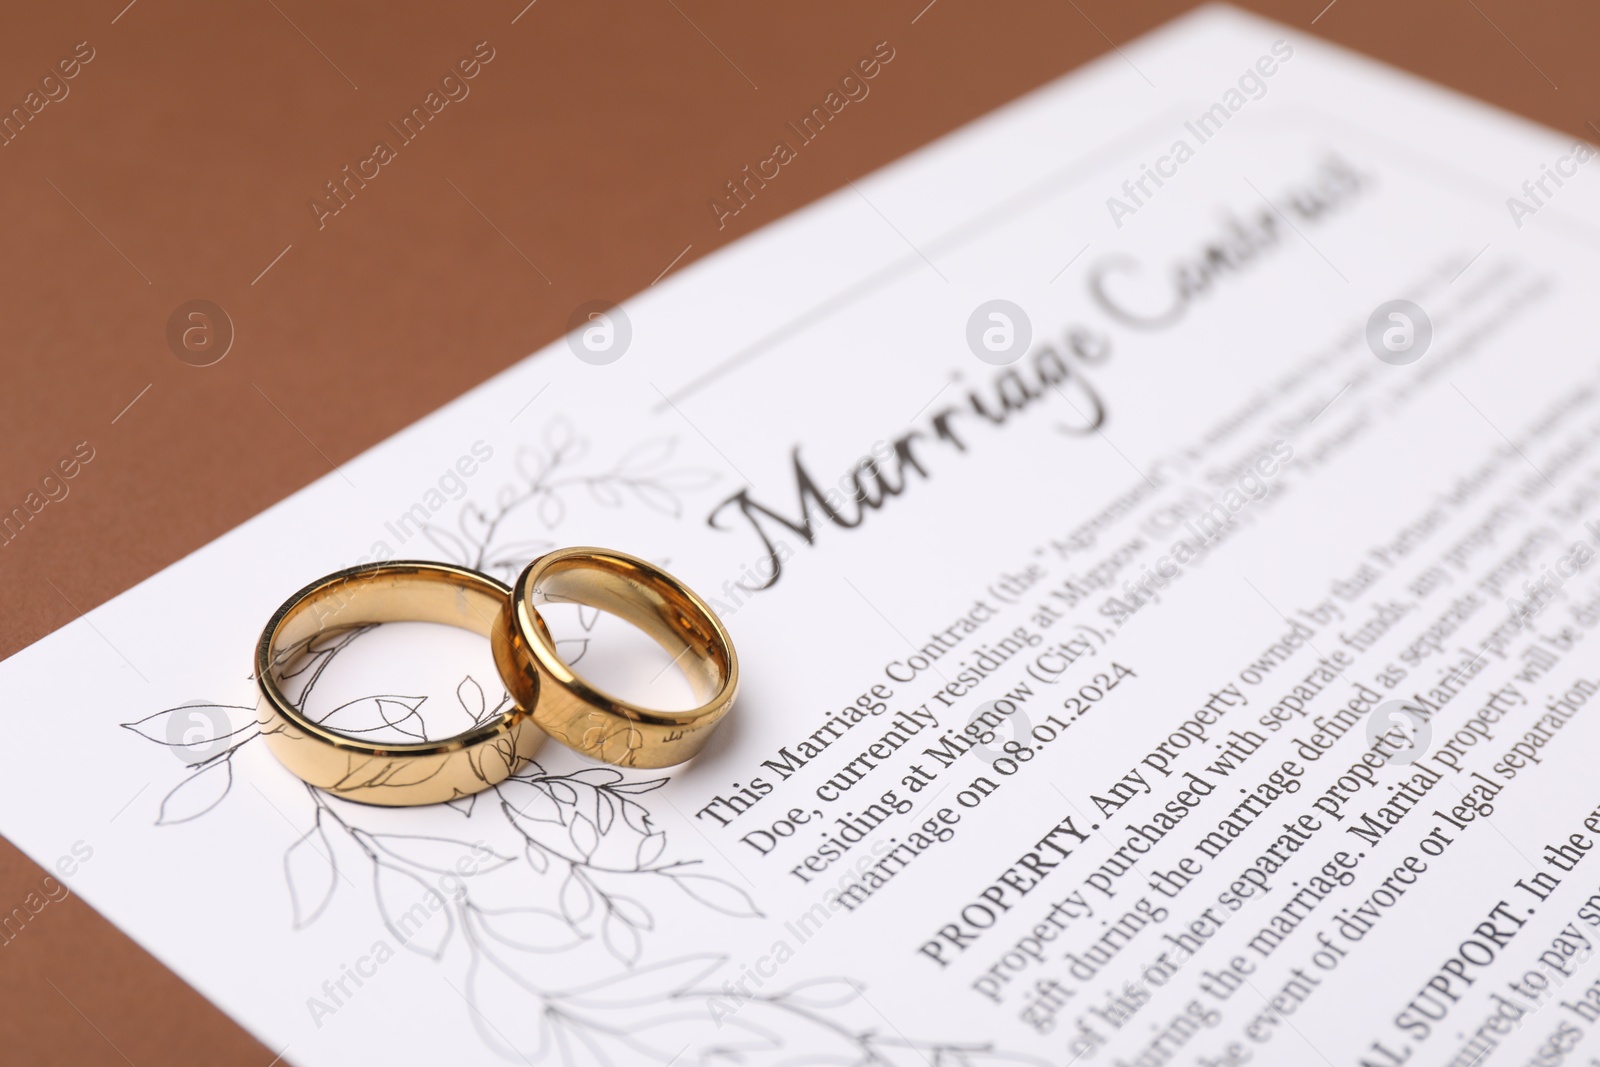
{"x":579,"y":852}
{"x":545,"y":485}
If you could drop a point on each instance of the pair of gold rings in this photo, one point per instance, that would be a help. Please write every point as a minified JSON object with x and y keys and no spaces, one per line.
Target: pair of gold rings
{"x":547,"y":695}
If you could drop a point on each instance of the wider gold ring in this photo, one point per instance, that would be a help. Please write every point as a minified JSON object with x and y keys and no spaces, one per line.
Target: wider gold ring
{"x":572,"y":710}
{"x":401,"y":774}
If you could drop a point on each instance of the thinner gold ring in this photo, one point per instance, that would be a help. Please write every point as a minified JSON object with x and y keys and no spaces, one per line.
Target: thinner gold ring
{"x":399,"y":774}
{"x":573,"y":710}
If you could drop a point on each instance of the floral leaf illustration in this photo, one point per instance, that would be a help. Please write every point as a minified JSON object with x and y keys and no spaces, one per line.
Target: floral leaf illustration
{"x":688,"y":480}
{"x":591,"y":798}
{"x":453,"y":548}
{"x":646,"y":985}
{"x":717,"y":894}
{"x":635,"y":913}
{"x":621,"y":939}
{"x":635,"y":788}
{"x":598,"y":777}
{"x":657,"y":498}
{"x":577,"y":899}
{"x":682,"y":1037}
{"x":605,"y":493}
{"x":199,"y":793}
{"x":651,"y":846}
{"x":558,"y":435}
{"x":520,"y":1031}
{"x":527,"y":929}
{"x":637,"y":815}
{"x":524,"y":800}
{"x":411,"y":725}
{"x":530,"y":463}
{"x":572,"y":649}
{"x":647,"y":456}
{"x":161,"y":726}
{"x":552,"y":509}
{"x":824,"y":1039}
{"x":309,"y":869}
{"x":562,"y":791}
{"x":583,"y":832}
{"x":475,"y":524}
{"x":585,"y":837}
{"x":470,"y":693}
{"x":365,"y":715}
{"x":415,"y":913}
{"x":441,"y":855}
{"x":822,"y":993}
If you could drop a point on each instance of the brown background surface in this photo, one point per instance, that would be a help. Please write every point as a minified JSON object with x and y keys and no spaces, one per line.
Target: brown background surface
{"x":184,"y":159}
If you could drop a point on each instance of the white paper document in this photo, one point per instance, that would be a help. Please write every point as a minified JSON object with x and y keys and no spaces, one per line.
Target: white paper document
{"x":1156,"y":523}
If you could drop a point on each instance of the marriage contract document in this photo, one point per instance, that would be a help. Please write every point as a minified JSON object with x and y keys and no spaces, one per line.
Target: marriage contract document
{"x":1157,"y":523}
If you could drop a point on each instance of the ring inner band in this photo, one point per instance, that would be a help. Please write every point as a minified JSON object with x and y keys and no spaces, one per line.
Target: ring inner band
{"x":373,"y":772}
{"x":616,"y":586}
{"x":388,"y":596}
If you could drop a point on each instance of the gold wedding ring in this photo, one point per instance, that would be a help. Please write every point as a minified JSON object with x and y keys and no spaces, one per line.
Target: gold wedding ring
{"x":571,"y":709}
{"x":380,"y":772}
